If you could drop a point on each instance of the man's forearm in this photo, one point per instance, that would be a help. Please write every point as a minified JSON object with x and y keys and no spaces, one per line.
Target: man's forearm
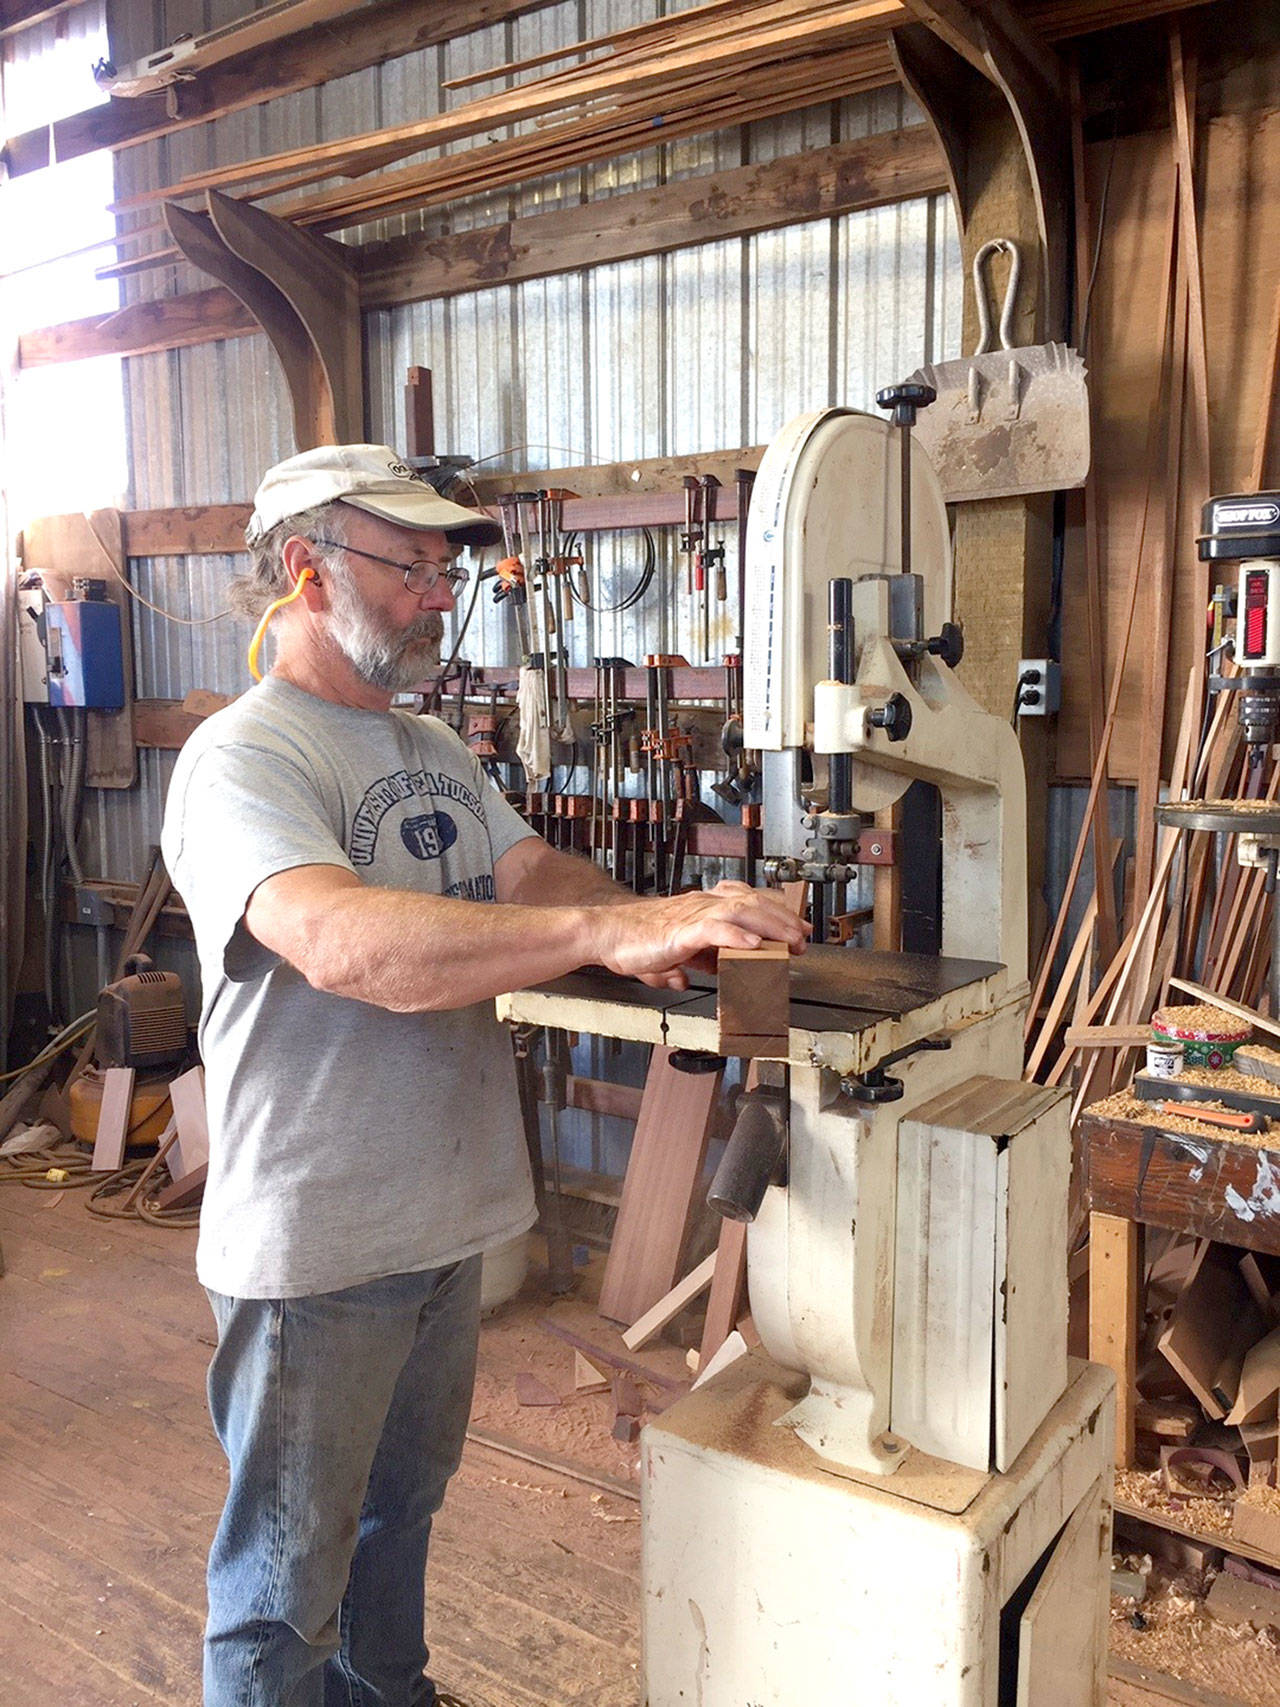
{"x":568,"y":880}
{"x":415,"y":953}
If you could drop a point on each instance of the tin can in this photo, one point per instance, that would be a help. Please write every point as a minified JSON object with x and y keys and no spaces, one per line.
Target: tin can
{"x":1164,"y":1058}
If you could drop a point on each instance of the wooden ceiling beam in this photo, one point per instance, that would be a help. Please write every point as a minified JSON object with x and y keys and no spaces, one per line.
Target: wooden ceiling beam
{"x":821,"y":183}
{"x":315,"y":56}
{"x":18,"y":15}
{"x":373,"y":37}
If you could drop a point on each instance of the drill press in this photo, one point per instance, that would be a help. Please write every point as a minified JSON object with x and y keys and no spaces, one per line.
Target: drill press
{"x":903,"y":1495}
{"x":1243,"y":530}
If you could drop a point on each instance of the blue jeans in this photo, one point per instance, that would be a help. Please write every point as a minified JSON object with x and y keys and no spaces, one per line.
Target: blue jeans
{"x":342,"y":1417}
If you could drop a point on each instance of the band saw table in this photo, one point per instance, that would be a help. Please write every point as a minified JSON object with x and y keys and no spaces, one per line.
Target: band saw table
{"x":903,"y":1496}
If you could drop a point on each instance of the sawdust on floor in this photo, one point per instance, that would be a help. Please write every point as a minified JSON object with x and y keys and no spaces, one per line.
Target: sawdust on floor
{"x":1171,"y":1632}
{"x":580,"y":1426}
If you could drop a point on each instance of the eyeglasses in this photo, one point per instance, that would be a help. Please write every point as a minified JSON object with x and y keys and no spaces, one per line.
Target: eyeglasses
{"x":420,"y":576}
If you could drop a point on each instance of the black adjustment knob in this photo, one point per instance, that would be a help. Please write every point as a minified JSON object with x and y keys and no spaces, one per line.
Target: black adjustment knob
{"x":905,"y":400}
{"x":874,"y":1086}
{"x":894,"y":717}
{"x":948,"y":644}
{"x":695,"y":1061}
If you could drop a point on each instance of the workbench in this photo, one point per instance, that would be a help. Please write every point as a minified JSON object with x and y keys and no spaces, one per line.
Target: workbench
{"x":1144,"y":1175}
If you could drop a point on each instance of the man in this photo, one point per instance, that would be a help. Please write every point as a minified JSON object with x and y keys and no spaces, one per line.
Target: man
{"x":360,"y":894}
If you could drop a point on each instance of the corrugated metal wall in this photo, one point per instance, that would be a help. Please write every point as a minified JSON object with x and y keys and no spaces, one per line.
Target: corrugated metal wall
{"x":713,"y":347}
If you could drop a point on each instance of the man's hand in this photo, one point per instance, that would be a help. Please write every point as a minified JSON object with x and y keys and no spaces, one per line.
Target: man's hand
{"x":656,"y":939}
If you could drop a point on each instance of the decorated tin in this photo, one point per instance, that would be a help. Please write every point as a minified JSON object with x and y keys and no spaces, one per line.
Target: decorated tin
{"x":1209,"y":1036}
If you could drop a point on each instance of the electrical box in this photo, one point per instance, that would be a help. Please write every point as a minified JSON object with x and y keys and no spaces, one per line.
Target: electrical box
{"x":85,"y":654}
{"x":32,"y":661}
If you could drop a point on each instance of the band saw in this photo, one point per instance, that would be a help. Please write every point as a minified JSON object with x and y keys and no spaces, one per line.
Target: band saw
{"x":903,"y":1496}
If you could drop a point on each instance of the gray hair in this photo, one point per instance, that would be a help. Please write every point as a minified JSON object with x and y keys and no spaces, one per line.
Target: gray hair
{"x":265,"y":579}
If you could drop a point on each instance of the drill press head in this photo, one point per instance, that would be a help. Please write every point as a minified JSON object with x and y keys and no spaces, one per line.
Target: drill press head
{"x":1244,"y":529}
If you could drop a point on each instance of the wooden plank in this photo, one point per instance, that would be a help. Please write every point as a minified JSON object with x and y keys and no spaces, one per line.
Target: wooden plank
{"x":1190,"y":1184}
{"x":167,"y":323}
{"x":601,"y":1096}
{"x":1115,"y":1297}
{"x":113,"y":1120}
{"x":728,"y":1290}
{"x":666,"y":1309}
{"x":1213,"y":1323}
{"x":1262,"y":443}
{"x":821,"y":184}
{"x":373,"y":38}
{"x":18,"y":15}
{"x":1237,"y":1009}
{"x":337,"y":49}
{"x":1062,"y":1651}
{"x":1238,"y":160}
{"x":663,"y":1172}
{"x":793,"y":27}
{"x":191,"y":1151}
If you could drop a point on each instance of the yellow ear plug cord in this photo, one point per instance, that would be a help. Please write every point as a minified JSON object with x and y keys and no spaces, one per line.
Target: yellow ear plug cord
{"x":255,"y":645}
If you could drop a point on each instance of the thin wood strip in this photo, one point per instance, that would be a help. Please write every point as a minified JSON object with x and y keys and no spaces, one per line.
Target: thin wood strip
{"x":1092,"y":1008}
{"x":793,"y":27}
{"x":666,"y":1309}
{"x":1072,"y":974}
{"x":1171,"y":841}
{"x":1262,"y":439}
{"x":1100,"y":764}
{"x":1103,"y":860}
{"x":1237,"y":1010}
{"x":1158,"y":628}
{"x":654,"y":28}
{"x":1184,"y":66}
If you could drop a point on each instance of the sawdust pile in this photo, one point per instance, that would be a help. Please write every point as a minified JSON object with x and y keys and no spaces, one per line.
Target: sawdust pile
{"x":1123,"y":1105}
{"x":1142,"y":1490}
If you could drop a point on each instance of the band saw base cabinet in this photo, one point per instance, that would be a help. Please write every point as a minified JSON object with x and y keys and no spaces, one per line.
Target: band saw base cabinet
{"x":770,"y":1581}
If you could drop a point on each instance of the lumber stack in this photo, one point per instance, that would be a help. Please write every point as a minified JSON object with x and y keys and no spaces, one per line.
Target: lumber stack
{"x":723,"y":63}
{"x":1179,"y":906}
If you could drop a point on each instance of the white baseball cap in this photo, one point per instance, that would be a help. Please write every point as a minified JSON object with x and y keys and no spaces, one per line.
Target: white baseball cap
{"x":373,"y":478}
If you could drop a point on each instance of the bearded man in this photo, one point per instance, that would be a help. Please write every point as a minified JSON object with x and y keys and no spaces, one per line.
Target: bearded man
{"x":359,"y":894}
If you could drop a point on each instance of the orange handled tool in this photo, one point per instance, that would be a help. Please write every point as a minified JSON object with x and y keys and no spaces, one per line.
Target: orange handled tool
{"x":1233,"y":1120}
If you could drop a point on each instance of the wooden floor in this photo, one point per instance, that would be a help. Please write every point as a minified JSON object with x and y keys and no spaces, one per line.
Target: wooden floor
{"x":111,"y":1482}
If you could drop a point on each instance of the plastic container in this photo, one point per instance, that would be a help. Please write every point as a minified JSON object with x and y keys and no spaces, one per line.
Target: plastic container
{"x":502,"y":1272}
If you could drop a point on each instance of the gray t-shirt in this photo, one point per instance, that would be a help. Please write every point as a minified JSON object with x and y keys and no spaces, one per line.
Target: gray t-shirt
{"x":347,"y":1142}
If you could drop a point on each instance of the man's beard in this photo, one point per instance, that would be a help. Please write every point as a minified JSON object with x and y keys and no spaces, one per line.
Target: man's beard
{"x":385,"y":658}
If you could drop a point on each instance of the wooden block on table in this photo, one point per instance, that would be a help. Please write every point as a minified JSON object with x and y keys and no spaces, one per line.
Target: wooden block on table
{"x":753,"y":1002}
{"x":113,"y":1120}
